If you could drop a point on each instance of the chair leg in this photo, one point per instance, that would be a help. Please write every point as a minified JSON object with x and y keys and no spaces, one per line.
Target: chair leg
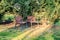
{"x":15,"y":25}
{"x":26,"y":24}
{"x":31,"y":24}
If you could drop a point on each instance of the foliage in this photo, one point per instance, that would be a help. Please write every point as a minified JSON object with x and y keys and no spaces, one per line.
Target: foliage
{"x":57,"y":22}
{"x":8,"y":16}
{"x":9,"y":34}
{"x":32,"y":7}
{"x":51,"y":7}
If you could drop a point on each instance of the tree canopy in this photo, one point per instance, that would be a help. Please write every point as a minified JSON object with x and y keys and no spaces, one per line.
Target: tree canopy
{"x":38,"y":8}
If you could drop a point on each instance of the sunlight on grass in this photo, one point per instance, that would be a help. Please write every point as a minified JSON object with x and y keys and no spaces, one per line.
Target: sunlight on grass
{"x":9,"y":34}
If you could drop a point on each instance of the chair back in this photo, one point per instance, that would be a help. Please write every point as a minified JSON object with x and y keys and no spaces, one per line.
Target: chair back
{"x":18,"y":19}
{"x":31,"y":19}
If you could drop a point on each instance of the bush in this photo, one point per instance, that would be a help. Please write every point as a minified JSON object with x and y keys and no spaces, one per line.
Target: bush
{"x":8,"y":16}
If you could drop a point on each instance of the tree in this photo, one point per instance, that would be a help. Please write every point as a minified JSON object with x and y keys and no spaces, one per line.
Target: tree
{"x":51,"y":8}
{"x":38,"y":8}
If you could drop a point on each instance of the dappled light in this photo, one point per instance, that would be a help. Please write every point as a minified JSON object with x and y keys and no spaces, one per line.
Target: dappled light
{"x":29,"y":19}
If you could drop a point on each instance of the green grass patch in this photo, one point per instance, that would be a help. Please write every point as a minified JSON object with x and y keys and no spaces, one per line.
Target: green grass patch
{"x":56,"y":34}
{"x":58,"y":23}
{"x":53,"y":35}
{"x":8,"y":34}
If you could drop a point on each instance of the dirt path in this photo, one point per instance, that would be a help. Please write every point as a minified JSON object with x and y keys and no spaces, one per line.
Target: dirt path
{"x":5,"y":27}
{"x":39,"y":31}
{"x":20,"y":37}
{"x":33,"y":32}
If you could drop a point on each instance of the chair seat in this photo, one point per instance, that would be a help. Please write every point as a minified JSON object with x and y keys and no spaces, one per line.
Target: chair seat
{"x":22,"y":22}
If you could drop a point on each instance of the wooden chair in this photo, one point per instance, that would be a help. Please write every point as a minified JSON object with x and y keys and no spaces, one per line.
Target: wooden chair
{"x":31,"y":20}
{"x":19,"y":21}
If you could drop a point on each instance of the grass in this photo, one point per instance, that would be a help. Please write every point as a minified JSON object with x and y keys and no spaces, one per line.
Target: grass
{"x":53,"y":34}
{"x":8,"y":34}
{"x":58,"y":23}
{"x":45,"y":36}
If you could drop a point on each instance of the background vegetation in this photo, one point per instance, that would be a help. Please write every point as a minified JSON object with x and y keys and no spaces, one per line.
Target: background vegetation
{"x":37,"y":8}
{"x":40,"y":9}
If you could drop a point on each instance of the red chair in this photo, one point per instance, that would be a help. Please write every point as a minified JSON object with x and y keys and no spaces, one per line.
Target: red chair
{"x":19,"y":20}
{"x":31,"y":19}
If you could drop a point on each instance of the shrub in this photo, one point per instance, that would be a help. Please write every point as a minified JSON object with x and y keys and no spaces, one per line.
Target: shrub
{"x":8,"y":16}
